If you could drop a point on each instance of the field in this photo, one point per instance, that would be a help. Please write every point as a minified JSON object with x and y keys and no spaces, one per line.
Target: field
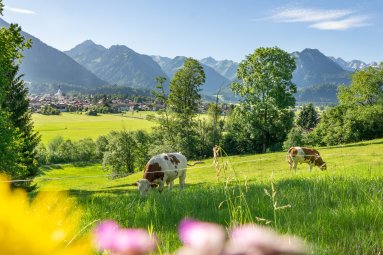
{"x":75,"y":126}
{"x":338,"y":211}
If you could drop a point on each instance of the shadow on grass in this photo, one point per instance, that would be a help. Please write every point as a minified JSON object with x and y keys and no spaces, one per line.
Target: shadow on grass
{"x":87,"y":193}
{"x":358,"y":144}
{"x":52,"y":167}
{"x":119,"y":190}
{"x":85,"y":163}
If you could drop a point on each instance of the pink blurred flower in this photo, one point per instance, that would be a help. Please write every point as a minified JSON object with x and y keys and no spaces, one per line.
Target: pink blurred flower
{"x":251,"y":239}
{"x":109,"y":236}
{"x":105,"y":234}
{"x":201,"y":237}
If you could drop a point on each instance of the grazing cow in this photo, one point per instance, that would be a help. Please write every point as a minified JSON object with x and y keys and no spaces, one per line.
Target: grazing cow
{"x":301,"y":155}
{"x":165,"y":167}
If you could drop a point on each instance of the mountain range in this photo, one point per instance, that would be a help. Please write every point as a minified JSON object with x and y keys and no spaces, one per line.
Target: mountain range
{"x":45,"y":64}
{"x":117,"y":65}
{"x":90,"y":66}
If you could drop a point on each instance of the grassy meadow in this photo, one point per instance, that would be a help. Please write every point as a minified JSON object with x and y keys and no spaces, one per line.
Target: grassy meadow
{"x":77,"y":126}
{"x":338,"y":211}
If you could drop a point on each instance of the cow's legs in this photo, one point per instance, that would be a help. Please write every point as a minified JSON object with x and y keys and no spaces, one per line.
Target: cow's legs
{"x":182,"y":181}
{"x":295,"y":166}
{"x":311,"y":166}
{"x":170,"y":185}
{"x":161,"y":186}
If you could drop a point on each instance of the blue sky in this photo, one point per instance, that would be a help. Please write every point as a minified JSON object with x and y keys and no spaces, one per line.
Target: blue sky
{"x":223,"y":29}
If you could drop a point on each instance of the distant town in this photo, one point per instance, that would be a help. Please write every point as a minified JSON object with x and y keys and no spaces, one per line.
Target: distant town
{"x":60,"y":102}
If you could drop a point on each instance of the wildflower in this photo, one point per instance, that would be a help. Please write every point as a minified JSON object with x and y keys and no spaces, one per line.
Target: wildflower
{"x":47,"y":226}
{"x":123,"y":241}
{"x":251,"y":239}
{"x":201,"y":237}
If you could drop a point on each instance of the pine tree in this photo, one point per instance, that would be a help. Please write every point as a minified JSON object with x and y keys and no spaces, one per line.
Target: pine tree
{"x":16,"y":102}
{"x":16,"y":127}
{"x":308,"y":118}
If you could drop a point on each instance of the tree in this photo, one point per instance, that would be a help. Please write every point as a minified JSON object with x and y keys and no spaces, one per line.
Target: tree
{"x":120,"y":155}
{"x":296,"y":137}
{"x":214,"y":112}
{"x":8,"y":145}
{"x":126,"y":152}
{"x":14,"y":106}
{"x":308,"y":117}
{"x":360,"y":113}
{"x":366,"y":87}
{"x":183,"y":102}
{"x":161,"y":98}
{"x":267,"y":93}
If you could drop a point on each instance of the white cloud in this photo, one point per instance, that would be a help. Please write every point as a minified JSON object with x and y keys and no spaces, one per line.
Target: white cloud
{"x":332,"y":19}
{"x":18,"y":10}
{"x":344,"y":24}
{"x":307,"y":15}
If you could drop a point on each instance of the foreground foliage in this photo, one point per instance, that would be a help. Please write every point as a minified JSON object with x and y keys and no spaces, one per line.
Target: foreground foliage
{"x":47,"y":226}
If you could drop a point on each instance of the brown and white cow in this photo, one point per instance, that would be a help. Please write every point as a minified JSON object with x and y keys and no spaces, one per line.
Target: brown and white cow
{"x":301,"y":155}
{"x":163,"y":168}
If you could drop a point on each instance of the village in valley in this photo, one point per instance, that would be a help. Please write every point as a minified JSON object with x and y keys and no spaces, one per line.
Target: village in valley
{"x":85,"y":103}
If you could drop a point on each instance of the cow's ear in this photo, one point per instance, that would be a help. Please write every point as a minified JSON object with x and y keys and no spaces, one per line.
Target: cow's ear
{"x":153,"y":185}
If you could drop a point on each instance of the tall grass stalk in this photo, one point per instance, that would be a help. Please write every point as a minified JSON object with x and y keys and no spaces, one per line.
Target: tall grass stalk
{"x":236,"y":201}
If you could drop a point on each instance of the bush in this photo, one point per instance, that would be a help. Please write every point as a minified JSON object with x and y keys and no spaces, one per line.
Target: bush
{"x":85,"y":150}
{"x":66,"y":151}
{"x":295,"y":137}
{"x":91,"y":112}
{"x":41,"y":154}
{"x":345,"y":124}
{"x":126,"y":152}
{"x":49,"y":110}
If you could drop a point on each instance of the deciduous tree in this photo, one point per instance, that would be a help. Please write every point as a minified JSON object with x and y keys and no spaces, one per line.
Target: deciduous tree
{"x":267,"y":93}
{"x":366,"y":87}
{"x":179,"y":127}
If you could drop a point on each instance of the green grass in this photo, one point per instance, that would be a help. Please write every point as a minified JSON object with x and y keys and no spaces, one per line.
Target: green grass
{"x":76,"y":126}
{"x":338,"y":211}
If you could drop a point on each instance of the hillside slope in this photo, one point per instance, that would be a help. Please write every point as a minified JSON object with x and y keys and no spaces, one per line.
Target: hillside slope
{"x":118,"y":65}
{"x":45,"y":64}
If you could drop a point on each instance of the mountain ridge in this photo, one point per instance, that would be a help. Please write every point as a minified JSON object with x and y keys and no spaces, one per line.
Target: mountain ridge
{"x":89,"y":65}
{"x":117,"y":64}
{"x":45,"y":64}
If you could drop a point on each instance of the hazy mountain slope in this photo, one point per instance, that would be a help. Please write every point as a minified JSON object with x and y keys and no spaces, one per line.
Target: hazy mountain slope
{"x":314,"y":68}
{"x":214,"y":81}
{"x":118,"y":64}
{"x":352,"y":65}
{"x":45,"y":64}
{"x":318,"y":94}
{"x":226,"y":68}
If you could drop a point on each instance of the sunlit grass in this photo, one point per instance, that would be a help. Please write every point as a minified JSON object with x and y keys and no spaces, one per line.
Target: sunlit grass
{"x":76,"y":126}
{"x":339,"y":211}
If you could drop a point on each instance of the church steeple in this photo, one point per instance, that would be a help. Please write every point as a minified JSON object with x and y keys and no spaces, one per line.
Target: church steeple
{"x":59,"y":92}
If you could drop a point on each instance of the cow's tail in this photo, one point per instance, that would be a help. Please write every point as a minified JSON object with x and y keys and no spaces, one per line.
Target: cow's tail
{"x":195,"y":163}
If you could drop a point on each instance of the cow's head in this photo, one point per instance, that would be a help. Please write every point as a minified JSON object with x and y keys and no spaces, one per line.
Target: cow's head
{"x":323,"y":166}
{"x":144,"y":185}
{"x":320,"y":163}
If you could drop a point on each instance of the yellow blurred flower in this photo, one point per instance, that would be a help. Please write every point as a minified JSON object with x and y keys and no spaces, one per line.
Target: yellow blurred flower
{"x":48,"y":225}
